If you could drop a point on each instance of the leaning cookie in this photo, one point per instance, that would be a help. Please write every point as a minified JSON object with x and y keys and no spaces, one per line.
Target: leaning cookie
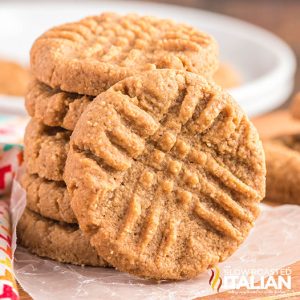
{"x":48,"y":198}
{"x":46,"y":150}
{"x":89,"y":56}
{"x":165,"y":173}
{"x":54,"y":107}
{"x":58,"y":241}
{"x":283,"y":169}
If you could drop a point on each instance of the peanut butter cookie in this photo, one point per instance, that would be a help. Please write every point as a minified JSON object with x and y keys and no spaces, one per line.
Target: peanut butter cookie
{"x":165,"y":173}
{"x":46,"y":150}
{"x":48,"y":198}
{"x":295,"y":106}
{"x":283,"y":165}
{"x":62,"y":242}
{"x":54,"y":107}
{"x":14,"y":78}
{"x":89,"y":56}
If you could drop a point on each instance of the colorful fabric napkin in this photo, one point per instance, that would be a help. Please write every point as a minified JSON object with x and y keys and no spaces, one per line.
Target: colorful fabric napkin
{"x":11,"y":158}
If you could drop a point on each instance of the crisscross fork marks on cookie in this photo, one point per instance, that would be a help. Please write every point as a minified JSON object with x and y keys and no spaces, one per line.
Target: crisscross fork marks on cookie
{"x":161,"y":174}
{"x":91,"y":55}
{"x":133,"y":146}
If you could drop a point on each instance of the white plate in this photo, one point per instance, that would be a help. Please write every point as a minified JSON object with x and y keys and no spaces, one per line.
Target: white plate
{"x":266,"y":63}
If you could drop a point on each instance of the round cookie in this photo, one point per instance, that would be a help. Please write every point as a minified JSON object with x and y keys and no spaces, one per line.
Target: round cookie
{"x":45,"y":150}
{"x":14,"y":78}
{"x":61,"y":242}
{"x":48,"y":198}
{"x":283,"y":169}
{"x":165,"y":173}
{"x":89,"y":56}
{"x":54,"y":107}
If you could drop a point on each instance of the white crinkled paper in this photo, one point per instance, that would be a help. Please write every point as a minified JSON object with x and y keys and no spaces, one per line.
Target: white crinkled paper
{"x":272,"y":244}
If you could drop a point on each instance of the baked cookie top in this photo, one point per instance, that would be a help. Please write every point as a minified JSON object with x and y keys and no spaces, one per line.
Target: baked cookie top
{"x":89,"y":56}
{"x":165,"y":173}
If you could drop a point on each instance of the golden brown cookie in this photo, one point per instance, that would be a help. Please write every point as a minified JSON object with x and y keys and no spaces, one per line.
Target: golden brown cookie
{"x":295,"y":106}
{"x":165,"y":174}
{"x":54,"y":107}
{"x":45,"y":150}
{"x":13,"y":78}
{"x":58,"y":241}
{"x":89,"y":56}
{"x":227,"y":76}
{"x":283,"y":169}
{"x":48,"y":198}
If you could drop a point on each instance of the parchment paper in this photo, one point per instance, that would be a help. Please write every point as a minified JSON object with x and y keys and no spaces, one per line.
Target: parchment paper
{"x":273,"y":243}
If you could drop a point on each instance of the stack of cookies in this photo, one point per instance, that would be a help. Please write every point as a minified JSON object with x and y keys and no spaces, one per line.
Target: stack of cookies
{"x":133,"y":159}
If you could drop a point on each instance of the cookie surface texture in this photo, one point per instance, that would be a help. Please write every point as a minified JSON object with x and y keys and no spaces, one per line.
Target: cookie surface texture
{"x":54,"y":107}
{"x":89,"y":56}
{"x":46,"y":150}
{"x":165,"y":173}
{"x":48,"y":198}
{"x":58,"y":241}
{"x":283,"y":165}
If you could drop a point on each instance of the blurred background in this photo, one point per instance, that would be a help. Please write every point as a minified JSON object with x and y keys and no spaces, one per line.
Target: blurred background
{"x":281,"y":17}
{"x":257,"y":68}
